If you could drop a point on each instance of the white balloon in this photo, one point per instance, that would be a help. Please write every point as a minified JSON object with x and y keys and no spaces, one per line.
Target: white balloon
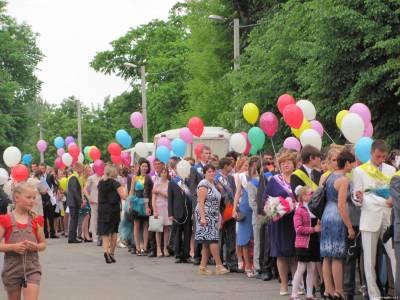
{"x":238,"y":142}
{"x":308,"y":109}
{"x":81,"y":158}
{"x":141,"y":149}
{"x":67,"y":159}
{"x":311,"y":137}
{"x":183,"y":169}
{"x":12,"y":156}
{"x":3,"y":176}
{"x":352,"y":127}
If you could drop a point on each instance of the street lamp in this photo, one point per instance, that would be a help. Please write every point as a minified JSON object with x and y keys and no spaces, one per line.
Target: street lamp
{"x":41,"y":138}
{"x":144,"y":98}
{"x":236,"y":37}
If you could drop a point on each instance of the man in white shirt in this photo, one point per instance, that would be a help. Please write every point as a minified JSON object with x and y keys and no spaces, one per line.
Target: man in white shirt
{"x":375,"y":210}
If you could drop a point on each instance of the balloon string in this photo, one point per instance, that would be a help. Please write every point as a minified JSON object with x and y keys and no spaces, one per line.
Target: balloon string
{"x":276,"y":157}
{"x":329,"y":137}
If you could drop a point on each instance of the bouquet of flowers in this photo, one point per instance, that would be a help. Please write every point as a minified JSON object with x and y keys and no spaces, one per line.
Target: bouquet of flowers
{"x":276,"y":207}
{"x":380,"y":189}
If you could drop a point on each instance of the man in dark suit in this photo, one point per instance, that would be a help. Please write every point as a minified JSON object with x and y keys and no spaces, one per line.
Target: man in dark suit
{"x":180,"y":211}
{"x":74,"y":202}
{"x":309,"y":173}
{"x":395,"y":192}
{"x":48,"y":201}
{"x":196,"y":175}
{"x":226,"y":185}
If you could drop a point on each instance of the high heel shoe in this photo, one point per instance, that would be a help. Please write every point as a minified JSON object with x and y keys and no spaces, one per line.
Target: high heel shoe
{"x":338,"y":296}
{"x":112,"y":258}
{"x":327,"y":296}
{"x":107,"y":258}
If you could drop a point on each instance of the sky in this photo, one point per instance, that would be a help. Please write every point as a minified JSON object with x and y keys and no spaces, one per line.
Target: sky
{"x":70,"y":34}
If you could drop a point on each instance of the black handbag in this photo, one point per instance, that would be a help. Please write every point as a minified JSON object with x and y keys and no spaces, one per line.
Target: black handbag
{"x":318,"y":201}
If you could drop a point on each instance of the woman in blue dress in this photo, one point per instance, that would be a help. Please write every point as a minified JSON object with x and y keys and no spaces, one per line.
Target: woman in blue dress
{"x":243,"y":213}
{"x":281,"y":232}
{"x":336,"y":226}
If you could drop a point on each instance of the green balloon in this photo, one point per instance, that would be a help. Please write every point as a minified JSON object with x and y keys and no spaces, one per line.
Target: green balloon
{"x":253,"y":151}
{"x":256,"y":138}
{"x":86,"y":152}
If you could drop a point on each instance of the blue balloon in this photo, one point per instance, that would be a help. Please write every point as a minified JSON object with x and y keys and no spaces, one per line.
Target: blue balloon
{"x":59,"y":142}
{"x":123,"y":138}
{"x":363,"y":149}
{"x":179,"y":147}
{"x":27,"y":159}
{"x":163,"y":154}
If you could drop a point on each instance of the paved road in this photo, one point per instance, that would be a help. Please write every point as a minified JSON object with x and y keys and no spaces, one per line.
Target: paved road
{"x":79,"y":272}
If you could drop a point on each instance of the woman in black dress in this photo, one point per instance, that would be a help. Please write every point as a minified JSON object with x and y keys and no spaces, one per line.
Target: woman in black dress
{"x":110,"y":194}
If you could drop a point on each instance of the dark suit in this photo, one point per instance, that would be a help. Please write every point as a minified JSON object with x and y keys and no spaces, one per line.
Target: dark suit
{"x":395,"y":191}
{"x":180,"y":207}
{"x":74,"y":202}
{"x":48,"y":208}
{"x":296,"y":181}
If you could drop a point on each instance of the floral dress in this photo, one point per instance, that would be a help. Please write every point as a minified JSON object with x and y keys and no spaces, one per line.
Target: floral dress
{"x":209,"y":232}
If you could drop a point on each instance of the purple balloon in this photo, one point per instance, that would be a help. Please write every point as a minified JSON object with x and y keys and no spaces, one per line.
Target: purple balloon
{"x":137,"y":119}
{"x":41,"y":146}
{"x":69,"y":140}
{"x":164,"y":142}
{"x":317,"y":126}
{"x":363,"y":111}
{"x":369,"y":130}
{"x":292,"y":143}
{"x":60,"y":151}
{"x":269,"y":123}
{"x":186,"y":135}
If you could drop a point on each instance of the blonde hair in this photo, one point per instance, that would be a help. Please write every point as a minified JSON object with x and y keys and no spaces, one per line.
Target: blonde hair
{"x":334,"y":149}
{"x":22,"y":188}
{"x":240,"y":163}
{"x":110,"y":172}
{"x":288,"y":155}
{"x":302,"y":191}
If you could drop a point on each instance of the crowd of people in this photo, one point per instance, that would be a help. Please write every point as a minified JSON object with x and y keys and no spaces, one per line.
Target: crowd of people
{"x":217,"y":216}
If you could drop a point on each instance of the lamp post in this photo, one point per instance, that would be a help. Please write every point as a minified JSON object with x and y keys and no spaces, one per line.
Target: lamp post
{"x":78,"y":116}
{"x":144,"y":97}
{"x":41,"y":138}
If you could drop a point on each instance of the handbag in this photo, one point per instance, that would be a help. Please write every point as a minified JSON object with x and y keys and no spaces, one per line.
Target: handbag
{"x":318,"y":200}
{"x":240,"y":217}
{"x":156,"y":224}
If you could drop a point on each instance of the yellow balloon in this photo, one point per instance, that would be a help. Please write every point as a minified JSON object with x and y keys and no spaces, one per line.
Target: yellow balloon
{"x":251,"y":113}
{"x":63,"y":183}
{"x":304,"y":125}
{"x":340,"y":116}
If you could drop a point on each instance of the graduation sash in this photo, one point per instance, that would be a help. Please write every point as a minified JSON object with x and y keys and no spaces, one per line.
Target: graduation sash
{"x":307,"y":180}
{"x":375,"y":173}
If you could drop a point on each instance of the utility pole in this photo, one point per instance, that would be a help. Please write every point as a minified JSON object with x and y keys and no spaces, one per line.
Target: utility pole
{"x":78,"y":116}
{"x":144,"y":103}
{"x":236,"y":44}
{"x":41,"y":138}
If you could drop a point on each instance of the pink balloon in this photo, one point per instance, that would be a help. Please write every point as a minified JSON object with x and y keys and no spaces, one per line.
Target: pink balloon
{"x":164,"y":142}
{"x":186,"y":135}
{"x":363,"y":111}
{"x":248,"y":145}
{"x":269,"y":123}
{"x":41,"y":146}
{"x":369,"y":131}
{"x":59,"y":163}
{"x":317,"y":126}
{"x":126,"y":159}
{"x":151,"y":159}
{"x":292,"y":143}
{"x":98,"y":167}
{"x":137,"y":119}
{"x":60,"y":151}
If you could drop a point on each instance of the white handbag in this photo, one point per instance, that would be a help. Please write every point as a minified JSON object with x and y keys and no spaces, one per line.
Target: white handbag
{"x":156,"y":225}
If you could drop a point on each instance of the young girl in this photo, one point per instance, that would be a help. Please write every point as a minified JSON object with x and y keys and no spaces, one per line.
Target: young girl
{"x":24,"y":237}
{"x":307,"y":244}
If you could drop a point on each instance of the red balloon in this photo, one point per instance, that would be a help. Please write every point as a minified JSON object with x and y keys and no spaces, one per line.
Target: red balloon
{"x":196,"y":126}
{"x":293,"y":116}
{"x":98,"y":167}
{"x":94,"y":153}
{"x":197,"y":150}
{"x":269,"y":123}
{"x":59,"y":164}
{"x":114,"y":149}
{"x":74,"y":150}
{"x":19,"y":173}
{"x":116,"y":159}
{"x":126,"y":159}
{"x":248,"y":145}
{"x":283,"y":101}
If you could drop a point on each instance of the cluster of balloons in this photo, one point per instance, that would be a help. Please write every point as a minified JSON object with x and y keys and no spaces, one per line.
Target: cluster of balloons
{"x":166,"y":149}
{"x":12,"y":157}
{"x":355,"y":123}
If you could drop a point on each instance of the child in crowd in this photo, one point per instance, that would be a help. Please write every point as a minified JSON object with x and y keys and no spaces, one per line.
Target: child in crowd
{"x":306,"y":244}
{"x":24,"y":238}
